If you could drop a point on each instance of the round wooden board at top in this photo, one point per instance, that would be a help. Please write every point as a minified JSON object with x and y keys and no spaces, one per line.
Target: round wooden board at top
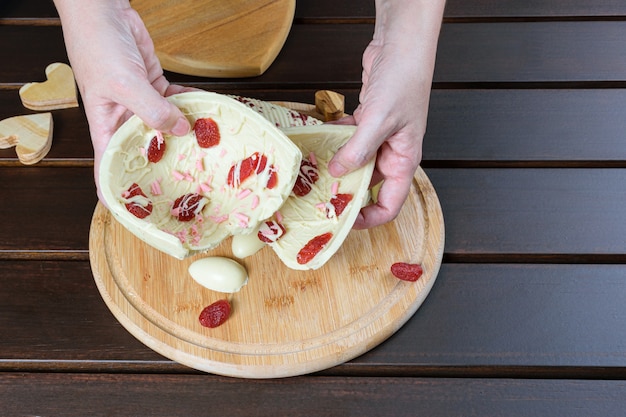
{"x":283,"y":322}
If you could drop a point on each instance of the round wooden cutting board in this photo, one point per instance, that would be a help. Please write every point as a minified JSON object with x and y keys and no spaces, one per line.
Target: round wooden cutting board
{"x":284,"y":322}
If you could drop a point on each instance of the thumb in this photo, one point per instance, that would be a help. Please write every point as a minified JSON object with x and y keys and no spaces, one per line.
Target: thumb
{"x":155,"y":111}
{"x":359,"y":149}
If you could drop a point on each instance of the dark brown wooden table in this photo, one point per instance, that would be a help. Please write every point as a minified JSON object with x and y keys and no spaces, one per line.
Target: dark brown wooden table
{"x":526,"y":147}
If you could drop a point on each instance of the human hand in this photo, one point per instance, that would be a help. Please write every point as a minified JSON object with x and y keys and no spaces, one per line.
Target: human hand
{"x":117,"y":71}
{"x":391,"y":118}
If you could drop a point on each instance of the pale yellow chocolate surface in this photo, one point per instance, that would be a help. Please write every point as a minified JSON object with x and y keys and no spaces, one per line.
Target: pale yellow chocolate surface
{"x":186,"y":168}
{"x":312,"y":215}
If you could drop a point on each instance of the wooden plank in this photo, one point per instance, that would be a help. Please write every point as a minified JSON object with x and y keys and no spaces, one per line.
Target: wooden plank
{"x":27,"y":9}
{"x":526,"y":125}
{"x":509,"y":318}
{"x":510,"y":212}
{"x":531,"y":52}
{"x":535,"y":8}
{"x":324,"y":9}
{"x":52,"y":311}
{"x":45,"y":209}
{"x":478,"y":126}
{"x":532,"y":211}
{"x":175,"y":395}
{"x":473,"y":52}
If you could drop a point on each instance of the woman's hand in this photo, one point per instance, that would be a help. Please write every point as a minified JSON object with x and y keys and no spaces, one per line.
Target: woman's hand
{"x":391,"y":118}
{"x":116,"y":69}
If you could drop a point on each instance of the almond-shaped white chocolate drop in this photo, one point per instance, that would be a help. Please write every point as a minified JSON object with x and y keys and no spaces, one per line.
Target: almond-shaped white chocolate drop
{"x":219,"y":274}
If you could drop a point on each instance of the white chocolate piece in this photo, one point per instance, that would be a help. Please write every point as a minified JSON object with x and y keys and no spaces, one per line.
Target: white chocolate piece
{"x":280,"y":116}
{"x":187,"y":168}
{"x":246,"y":245}
{"x":219,"y":274}
{"x":312,"y":215}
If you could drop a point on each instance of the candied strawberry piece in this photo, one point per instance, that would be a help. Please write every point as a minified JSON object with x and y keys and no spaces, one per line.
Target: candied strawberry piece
{"x":215,"y":314}
{"x":313,"y":247}
{"x":207,"y":132}
{"x":244,"y":169}
{"x":307,"y":176}
{"x":156,"y":149}
{"x":133,"y":207}
{"x":271,"y":231}
{"x":406,"y":271}
{"x":339,"y":202}
{"x":186,"y":206}
{"x":272,"y":181}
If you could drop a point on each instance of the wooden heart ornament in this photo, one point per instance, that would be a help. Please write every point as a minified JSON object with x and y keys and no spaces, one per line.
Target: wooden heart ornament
{"x":220,"y":38}
{"x":57,"y":92}
{"x":30,"y":134}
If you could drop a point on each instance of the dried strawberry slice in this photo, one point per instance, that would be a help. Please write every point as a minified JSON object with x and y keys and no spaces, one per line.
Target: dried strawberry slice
{"x":156,"y":149}
{"x":207,"y":132}
{"x":406,"y":271}
{"x":272,"y":181}
{"x":254,"y":164}
{"x":133,"y":207}
{"x":215,"y":314}
{"x":185,"y":207}
{"x":271,"y":231}
{"x":339,"y":202}
{"x":307,"y":176}
{"x":313,"y":247}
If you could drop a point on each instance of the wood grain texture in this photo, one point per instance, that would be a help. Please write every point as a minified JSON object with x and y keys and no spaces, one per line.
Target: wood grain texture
{"x":558,"y":126}
{"x":468,"y":53}
{"x":285,"y":322}
{"x":217,"y":39}
{"x":57,"y":321}
{"x":533,"y":211}
{"x":491,"y":211}
{"x":175,"y":395}
{"x":329,"y":9}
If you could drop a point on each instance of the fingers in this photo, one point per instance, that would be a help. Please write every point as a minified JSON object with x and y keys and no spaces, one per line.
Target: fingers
{"x":153,"y":109}
{"x":361,"y":148}
{"x":391,"y":196}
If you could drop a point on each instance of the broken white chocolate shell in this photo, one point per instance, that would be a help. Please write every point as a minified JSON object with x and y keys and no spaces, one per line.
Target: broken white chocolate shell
{"x":186,"y":194}
{"x":321,"y":210}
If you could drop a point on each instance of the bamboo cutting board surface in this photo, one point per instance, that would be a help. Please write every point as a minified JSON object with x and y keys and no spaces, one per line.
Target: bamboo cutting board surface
{"x":217,"y":38}
{"x":284,"y":322}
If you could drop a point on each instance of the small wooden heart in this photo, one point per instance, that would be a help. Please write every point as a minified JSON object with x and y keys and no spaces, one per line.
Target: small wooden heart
{"x":30,"y":134}
{"x":57,"y":92}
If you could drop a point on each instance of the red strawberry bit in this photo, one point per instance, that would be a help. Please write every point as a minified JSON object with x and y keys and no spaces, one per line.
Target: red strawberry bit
{"x":313,"y":247}
{"x":406,"y":271}
{"x":133,"y":207}
{"x":272,"y":181}
{"x":207,"y":132}
{"x":271,"y":231}
{"x":156,"y":149}
{"x":339,"y":202}
{"x":307,"y":176}
{"x":215,"y":314}
{"x":241,"y":171}
{"x":186,"y":206}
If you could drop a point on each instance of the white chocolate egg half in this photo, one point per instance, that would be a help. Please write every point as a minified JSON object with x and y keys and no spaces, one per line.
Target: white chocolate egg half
{"x":314,"y":214}
{"x":227,"y":205}
{"x":219,"y":274}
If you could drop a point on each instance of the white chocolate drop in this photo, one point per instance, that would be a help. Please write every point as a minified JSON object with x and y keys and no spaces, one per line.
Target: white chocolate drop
{"x":219,"y":274}
{"x":246,"y":245}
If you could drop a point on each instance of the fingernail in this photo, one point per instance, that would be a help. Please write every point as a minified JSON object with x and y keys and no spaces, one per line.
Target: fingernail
{"x":181,"y":127}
